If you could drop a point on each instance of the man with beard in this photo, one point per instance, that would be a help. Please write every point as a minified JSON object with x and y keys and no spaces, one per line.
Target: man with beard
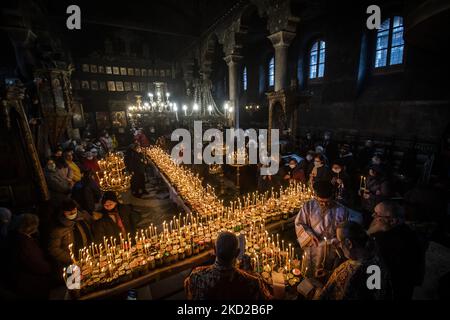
{"x":116,"y":219}
{"x":315,"y":227}
{"x":349,"y":281}
{"x":400,"y":248}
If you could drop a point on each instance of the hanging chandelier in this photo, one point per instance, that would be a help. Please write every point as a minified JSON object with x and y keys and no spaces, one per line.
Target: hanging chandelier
{"x":157,"y":101}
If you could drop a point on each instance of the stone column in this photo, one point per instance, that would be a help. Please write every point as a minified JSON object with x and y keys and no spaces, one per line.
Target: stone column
{"x":281,"y":41}
{"x":233,"y":62}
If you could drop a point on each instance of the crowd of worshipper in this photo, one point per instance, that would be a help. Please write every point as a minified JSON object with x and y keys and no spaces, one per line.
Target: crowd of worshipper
{"x":35,"y":247}
{"x":390,"y":230}
{"x":78,"y":213}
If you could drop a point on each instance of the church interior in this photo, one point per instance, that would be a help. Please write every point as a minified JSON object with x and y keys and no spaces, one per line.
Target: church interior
{"x":225,"y":150}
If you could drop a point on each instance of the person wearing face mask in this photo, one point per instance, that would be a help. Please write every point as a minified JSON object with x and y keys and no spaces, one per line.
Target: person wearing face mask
{"x":308,"y":163}
{"x":97,"y":150}
{"x":349,"y":280}
{"x":106,"y":142}
{"x":317,"y":220}
{"x":73,"y":228}
{"x":320,"y":171}
{"x":400,"y":247}
{"x":90,"y":162}
{"x":116,"y":219}
{"x":29,"y":270}
{"x":378,"y":188}
{"x":341,"y":183}
{"x":295,"y":173}
{"x":58,"y":186}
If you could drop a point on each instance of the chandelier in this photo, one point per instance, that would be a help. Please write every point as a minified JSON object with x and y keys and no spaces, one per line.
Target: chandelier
{"x":157,"y":101}
{"x":112,"y":175}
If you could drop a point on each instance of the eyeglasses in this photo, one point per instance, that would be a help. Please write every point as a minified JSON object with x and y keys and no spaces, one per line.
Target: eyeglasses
{"x":377,"y":215}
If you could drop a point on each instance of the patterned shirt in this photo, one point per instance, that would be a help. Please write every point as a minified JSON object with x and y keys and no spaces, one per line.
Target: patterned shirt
{"x":349,"y":282}
{"x":216,"y":282}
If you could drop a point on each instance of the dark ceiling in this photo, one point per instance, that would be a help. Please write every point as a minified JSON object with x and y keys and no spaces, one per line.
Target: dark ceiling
{"x":171,"y":17}
{"x":168,"y":26}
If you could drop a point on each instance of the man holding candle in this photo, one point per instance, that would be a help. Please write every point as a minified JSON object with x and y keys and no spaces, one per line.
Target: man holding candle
{"x":315,"y":227}
{"x":350,"y":280}
{"x":223,"y":280}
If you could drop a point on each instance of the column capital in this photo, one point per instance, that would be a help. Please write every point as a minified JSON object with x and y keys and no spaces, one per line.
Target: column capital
{"x":233,"y":59}
{"x":282,"y":39}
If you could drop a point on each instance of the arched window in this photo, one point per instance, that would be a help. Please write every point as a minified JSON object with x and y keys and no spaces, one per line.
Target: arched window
{"x":317,"y":60}
{"x":390,"y":43}
{"x":244,"y":79}
{"x":272,"y":72}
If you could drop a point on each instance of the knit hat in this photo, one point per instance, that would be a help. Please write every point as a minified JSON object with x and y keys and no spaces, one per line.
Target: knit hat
{"x":68,"y":205}
{"x":323,"y":189}
{"x":109,"y":195}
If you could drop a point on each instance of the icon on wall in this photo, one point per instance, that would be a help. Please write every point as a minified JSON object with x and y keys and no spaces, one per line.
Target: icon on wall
{"x":111,"y":86}
{"x":119,"y":119}
{"x":102,"y":119}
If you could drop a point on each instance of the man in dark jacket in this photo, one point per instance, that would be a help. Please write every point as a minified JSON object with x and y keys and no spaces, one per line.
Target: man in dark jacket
{"x":400,"y":248}
{"x":73,"y":228}
{"x":116,"y":219}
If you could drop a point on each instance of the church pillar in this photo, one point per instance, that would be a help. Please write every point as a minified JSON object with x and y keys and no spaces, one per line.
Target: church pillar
{"x":233,"y":62}
{"x":281,"y":41}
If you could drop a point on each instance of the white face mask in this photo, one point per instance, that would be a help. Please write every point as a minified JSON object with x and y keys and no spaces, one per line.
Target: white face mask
{"x":90,"y":158}
{"x":309,"y":158}
{"x":51,"y":167}
{"x":336,"y":170}
{"x":72,"y":217}
{"x":318,"y":164}
{"x":292,"y":166}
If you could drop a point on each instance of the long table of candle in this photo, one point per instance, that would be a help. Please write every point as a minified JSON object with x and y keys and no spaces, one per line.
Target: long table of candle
{"x":173,"y":194}
{"x":117,"y":263}
{"x":150,"y":277}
